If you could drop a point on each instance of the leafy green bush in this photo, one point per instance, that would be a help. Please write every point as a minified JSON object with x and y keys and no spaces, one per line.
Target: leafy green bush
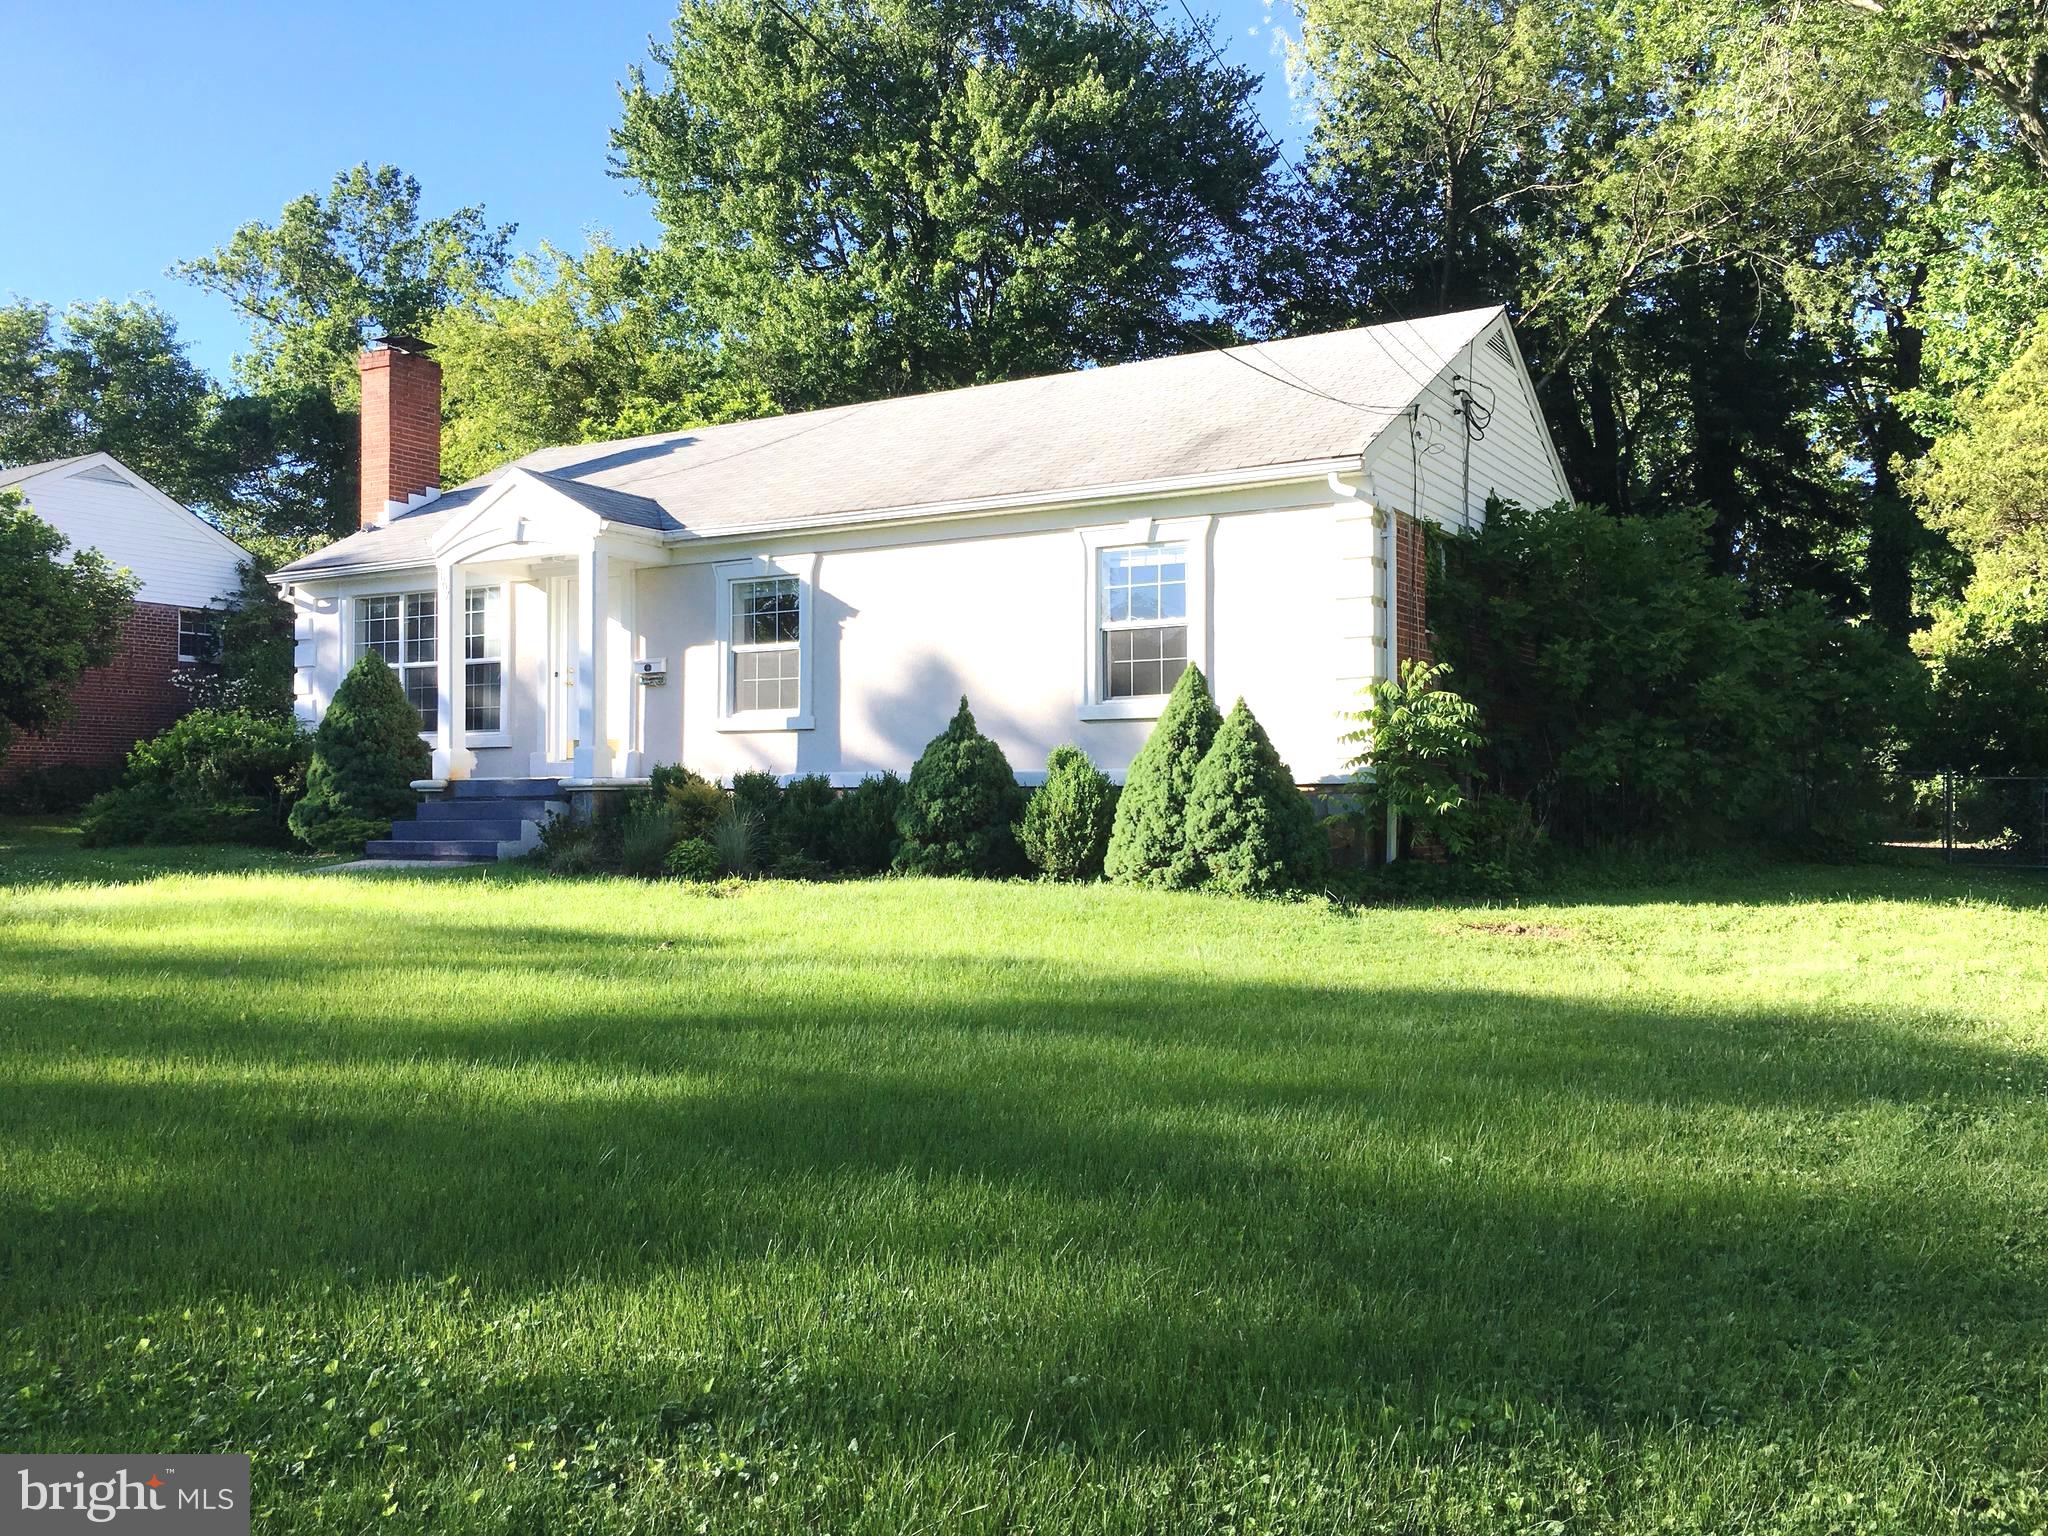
{"x":1250,"y":830}
{"x":1633,"y":697}
{"x":366,"y":754}
{"x":1065,"y":830}
{"x":215,"y":776}
{"x":1420,"y":741}
{"x":808,"y":816}
{"x":1148,"y":841}
{"x":569,"y":848}
{"x":58,"y":788}
{"x":695,"y":801}
{"x":736,"y":839}
{"x":959,"y":805}
{"x":863,"y":840}
{"x":692,"y":859}
{"x":647,"y":831}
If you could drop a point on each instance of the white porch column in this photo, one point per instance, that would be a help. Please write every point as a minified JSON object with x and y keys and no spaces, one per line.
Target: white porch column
{"x":451,"y":759}
{"x":593,"y":758}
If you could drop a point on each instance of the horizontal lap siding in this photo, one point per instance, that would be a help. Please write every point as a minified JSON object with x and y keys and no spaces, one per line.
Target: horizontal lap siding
{"x":114,"y":706}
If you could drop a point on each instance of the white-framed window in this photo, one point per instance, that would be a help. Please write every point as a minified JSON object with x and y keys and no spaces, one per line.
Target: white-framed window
{"x":764,"y":643}
{"x":766,"y":646}
{"x":1147,"y":614}
{"x":404,"y":629}
{"x":483,"y":661}
{"x":1143,"y":618}
{"x":198,"y":635}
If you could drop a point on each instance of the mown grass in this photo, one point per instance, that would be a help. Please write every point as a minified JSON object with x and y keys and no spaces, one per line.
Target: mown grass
{"x":482,"y":1202}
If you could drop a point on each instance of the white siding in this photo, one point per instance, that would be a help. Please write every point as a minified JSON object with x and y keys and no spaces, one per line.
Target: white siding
{"x":176,"y":558}
{"x":1457,"y":474}
{"x":900,"y":631}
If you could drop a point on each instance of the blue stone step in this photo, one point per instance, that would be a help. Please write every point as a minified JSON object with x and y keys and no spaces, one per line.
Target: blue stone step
{"x":500,"y":809}
{"x":505,"y":789}
{"x":485,"y":829}
{"x":431,"y":850}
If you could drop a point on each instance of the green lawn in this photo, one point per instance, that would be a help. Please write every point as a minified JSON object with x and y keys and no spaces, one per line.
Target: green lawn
{"x":482,"y":1202}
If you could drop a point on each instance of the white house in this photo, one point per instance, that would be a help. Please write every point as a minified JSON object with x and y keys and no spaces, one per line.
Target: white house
{"x":184,"y":567}
{"x":814,"y":593}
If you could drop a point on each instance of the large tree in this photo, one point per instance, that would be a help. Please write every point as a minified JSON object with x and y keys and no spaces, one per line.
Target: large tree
{"x":60,"y":613}
{"x":107,"y":377}
{"x":582,"y":349}
{"x":877,"y":197}
{"x":333,"y":271}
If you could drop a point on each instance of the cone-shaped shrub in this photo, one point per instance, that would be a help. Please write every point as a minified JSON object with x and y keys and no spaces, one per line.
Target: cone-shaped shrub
{"x":1148,"y":845}
{"x":1065,"y":830}
{"x":958,"y":806}
{"x":1248,"y":825}
{"x":366,"y":754}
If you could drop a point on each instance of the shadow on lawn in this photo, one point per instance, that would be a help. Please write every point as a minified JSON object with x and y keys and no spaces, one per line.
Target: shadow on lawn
{"x":1190,"y":1204}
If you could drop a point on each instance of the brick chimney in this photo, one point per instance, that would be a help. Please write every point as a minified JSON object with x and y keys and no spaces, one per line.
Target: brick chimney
{"x":401,"y":451}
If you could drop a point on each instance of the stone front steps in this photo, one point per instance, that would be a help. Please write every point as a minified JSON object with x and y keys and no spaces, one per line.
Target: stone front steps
{"x":474,"y":819}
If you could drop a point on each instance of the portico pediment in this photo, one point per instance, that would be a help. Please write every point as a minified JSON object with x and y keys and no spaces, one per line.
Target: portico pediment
{"x":521,"y":517}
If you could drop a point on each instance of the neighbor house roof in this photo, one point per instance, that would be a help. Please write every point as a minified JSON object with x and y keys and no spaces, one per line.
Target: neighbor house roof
{"x":1309,"y":400}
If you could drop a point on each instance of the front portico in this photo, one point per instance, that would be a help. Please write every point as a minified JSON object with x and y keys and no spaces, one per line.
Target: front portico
{"x":536,"y":582}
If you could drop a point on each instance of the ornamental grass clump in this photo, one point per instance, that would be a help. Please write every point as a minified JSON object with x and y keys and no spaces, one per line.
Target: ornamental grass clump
{"x":366,"y":755}
{"x":1065,"y":830}
{"x":1148,"y":841}
{"x":959,"y":805}
{"x":1251,"y":831}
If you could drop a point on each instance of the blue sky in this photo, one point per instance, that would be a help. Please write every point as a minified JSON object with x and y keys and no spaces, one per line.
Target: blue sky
{"x":133,"y":135}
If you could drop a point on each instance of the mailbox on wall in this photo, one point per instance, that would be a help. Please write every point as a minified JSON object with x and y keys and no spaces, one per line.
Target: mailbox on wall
{"x":652,"y":671}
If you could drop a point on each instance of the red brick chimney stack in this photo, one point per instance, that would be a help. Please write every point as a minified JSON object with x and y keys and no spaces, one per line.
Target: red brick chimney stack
{"x":401,"y":453}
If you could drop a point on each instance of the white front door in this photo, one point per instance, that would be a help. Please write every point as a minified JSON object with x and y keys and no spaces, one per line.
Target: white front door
{"x":560,"y":681}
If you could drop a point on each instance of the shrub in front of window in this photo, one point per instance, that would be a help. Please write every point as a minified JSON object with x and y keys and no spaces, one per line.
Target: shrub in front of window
{"x":692,"y":859}
{"x":810,"y":811}
{"x":1252,"y":831}
{"x":863,"y":840}
{"x":959,"y":806}
{"x":216,"y":776}
{"x":366,"y":754}
{"x":1148,"y":843}
{"x":694,"y":800}
{"x":1065,"y":830}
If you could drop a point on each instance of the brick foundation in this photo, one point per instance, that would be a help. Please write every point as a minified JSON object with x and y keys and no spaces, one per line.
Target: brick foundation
{"x":114,"y":706}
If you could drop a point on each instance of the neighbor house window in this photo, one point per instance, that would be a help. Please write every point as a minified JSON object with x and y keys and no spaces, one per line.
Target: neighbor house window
{"x":1143,"y":613}
{"x":404,"y":629}
{"x":765,"y":645}
{"x":483,"y":660}
{"x":198,"y":635}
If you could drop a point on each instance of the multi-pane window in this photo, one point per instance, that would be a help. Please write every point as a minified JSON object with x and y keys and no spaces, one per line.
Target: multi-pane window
{"x":483,"y":659}
{"x":198,"y":635}
{"x":403,"y":628}
{"x":764,"y":645}
{"x":1144,"y":618}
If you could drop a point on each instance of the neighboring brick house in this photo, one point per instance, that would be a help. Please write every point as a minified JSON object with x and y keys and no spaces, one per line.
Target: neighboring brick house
{"x":184,"y":568}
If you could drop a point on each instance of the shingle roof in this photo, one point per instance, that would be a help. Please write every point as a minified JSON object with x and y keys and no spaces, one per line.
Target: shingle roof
{"x":1306,"y":400}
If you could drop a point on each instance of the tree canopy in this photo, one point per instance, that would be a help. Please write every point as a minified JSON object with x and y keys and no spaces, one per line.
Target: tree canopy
{"x":879,"y":197}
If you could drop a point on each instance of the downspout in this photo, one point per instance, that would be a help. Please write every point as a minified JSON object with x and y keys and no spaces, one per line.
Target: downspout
{"x":1349,"y":493}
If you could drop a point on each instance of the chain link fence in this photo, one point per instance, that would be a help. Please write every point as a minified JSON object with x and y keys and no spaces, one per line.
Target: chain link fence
{"x":1981,"y":820}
